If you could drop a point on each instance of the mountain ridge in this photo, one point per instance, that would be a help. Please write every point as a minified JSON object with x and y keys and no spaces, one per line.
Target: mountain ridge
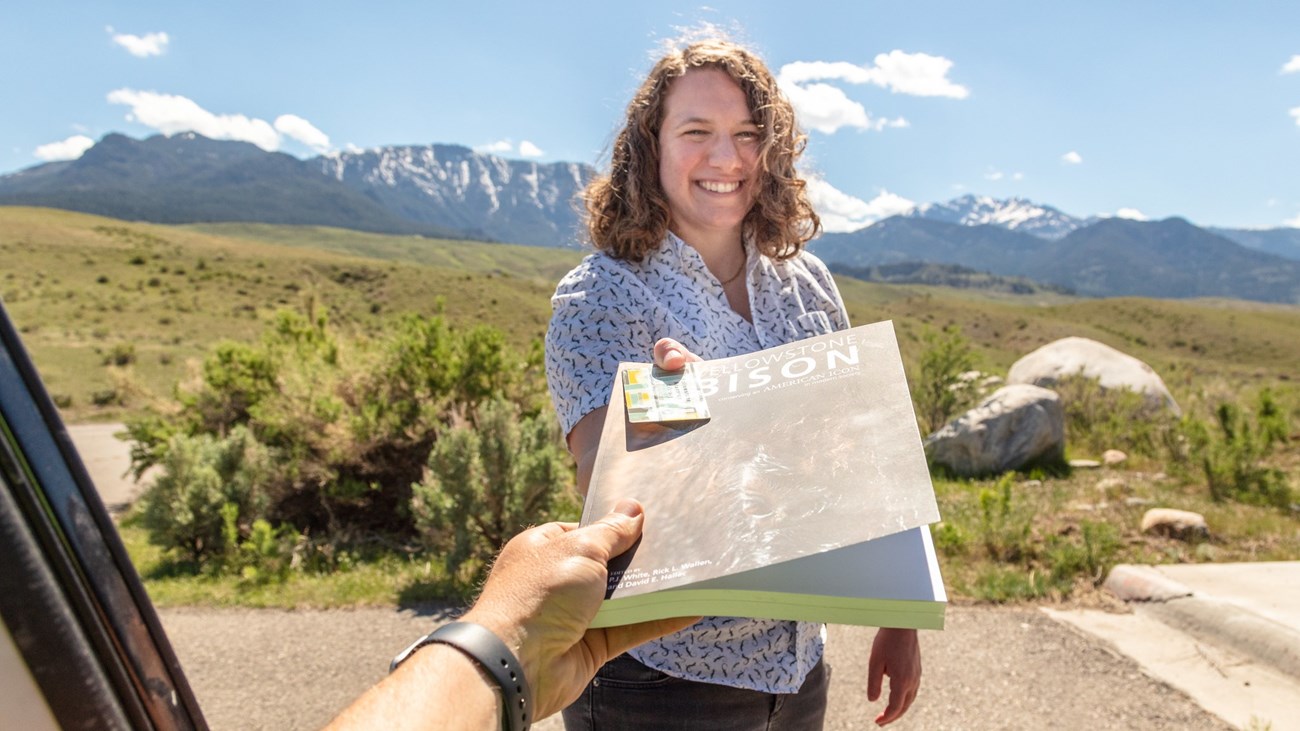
{"x":451,"y":191}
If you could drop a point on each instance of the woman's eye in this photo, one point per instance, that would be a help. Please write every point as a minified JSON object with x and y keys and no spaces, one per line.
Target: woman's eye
{"x":749,"y":136}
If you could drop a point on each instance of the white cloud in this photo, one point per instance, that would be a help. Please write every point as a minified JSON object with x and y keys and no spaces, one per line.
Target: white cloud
{"x":506,"y":148}
{"x":69,"y":149}
{"x":297,"y":128}
{"x":1017,"y":176}
{"x":1292,"y":222}
{"x":915,"y":74}
{"x":1072,"y":158}
{"x":149,"y":44}
{"x":170,"y":114}
{"x":841,"y":212}
{"x":500,"y":147}
{"x":1296,"y":113}
{"x":1292,"y":66}
{"x":993,"y":175}
{"x":826,"y":108}
{"x":1131,"y":214}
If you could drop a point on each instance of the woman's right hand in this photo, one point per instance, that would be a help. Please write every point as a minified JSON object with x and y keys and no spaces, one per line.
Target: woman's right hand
{"x":671,"y":355}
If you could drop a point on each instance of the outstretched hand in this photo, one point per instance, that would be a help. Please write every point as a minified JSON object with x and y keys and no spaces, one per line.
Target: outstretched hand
{"x":896,"y":653}
{"x":671,"y":355}
{"x":544,"y":590}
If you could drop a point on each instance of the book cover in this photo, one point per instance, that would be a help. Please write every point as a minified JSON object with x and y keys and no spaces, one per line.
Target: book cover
{"x":798,"y":489}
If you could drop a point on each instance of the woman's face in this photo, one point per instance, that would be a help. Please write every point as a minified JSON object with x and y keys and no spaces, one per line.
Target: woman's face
{"x":708,"y":156}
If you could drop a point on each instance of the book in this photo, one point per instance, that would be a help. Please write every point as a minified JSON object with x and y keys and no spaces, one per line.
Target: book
{"x":789,"y":483}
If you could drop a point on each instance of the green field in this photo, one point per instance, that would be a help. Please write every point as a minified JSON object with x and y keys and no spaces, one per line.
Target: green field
{"x":117,"y":313}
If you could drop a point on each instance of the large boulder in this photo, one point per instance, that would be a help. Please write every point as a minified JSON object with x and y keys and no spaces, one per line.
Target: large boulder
{"x":1091,"y":359}
{"x":1014,"y":427}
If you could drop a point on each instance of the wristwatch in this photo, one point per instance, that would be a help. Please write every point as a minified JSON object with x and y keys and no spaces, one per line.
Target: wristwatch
{"x":486,"y":649}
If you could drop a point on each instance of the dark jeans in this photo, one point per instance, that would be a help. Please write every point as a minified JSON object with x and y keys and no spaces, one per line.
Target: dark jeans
{"x":628,"y":695}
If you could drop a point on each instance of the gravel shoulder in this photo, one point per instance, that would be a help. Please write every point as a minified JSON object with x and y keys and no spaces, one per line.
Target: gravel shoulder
{"x":992,"y":668}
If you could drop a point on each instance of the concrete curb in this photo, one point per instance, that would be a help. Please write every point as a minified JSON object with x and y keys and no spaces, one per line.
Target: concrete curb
{"x":1143,"y":584}
{"x":1208,"y":618}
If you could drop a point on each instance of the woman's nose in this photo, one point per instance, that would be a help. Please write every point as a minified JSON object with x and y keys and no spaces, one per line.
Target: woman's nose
{"x":724,"y":153}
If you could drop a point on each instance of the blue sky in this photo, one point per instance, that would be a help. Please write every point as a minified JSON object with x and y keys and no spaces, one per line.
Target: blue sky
{"x":1146,"y":109}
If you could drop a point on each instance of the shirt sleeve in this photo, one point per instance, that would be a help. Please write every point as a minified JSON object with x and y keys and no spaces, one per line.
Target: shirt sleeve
{"x":830,"y":292}
{"x":594,"y":326}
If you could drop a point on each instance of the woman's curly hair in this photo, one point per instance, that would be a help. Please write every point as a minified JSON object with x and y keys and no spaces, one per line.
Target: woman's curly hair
{"x":627,"y":210}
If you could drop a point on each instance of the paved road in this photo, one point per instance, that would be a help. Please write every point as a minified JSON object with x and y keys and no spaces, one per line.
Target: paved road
{"x":990,"y":669}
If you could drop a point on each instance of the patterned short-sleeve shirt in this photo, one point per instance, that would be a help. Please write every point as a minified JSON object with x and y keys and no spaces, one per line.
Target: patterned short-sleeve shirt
{"x":608,"y":310}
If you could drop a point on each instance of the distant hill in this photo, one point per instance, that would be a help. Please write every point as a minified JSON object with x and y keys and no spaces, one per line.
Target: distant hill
{"x":944,"y":275}
{"x":189,"y":178}
{"x":1170,"y":258}
{"x":901,"y":239}
{"x":1112,"y":257}
{"x":1283,"y":242}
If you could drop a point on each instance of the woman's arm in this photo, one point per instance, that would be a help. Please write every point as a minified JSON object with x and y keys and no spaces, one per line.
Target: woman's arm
{"x":583,"y":441}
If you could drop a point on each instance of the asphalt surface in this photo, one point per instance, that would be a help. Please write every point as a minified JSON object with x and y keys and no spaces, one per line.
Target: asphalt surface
{"x":1206,"y":646}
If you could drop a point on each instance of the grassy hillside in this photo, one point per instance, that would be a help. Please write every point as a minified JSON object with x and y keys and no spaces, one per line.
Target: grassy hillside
{"x":86,"y":289}
{"x":523,"y":261}
{"x":1193,"y":344}
{"x":100,"y":300}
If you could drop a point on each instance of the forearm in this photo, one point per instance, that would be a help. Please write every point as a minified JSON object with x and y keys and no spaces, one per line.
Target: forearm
{"x":438,"y":687}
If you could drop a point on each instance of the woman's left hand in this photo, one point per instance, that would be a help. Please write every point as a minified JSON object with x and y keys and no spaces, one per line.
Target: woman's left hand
{"x":896,"y":653}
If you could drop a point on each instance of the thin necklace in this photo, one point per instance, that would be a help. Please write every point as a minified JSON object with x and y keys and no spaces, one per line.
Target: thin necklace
{"x":733,"y":277}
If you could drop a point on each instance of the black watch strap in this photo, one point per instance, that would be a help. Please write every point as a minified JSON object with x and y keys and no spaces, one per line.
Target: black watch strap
{"x":491,"y":653}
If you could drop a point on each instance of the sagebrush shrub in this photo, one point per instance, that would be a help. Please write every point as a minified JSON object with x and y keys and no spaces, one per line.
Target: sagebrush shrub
{"x":202,"y":479}
{"x":939,"y":390}
{"x":488,"y":480}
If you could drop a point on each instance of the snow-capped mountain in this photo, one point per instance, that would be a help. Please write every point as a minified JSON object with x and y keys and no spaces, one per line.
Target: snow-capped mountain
{"x":436,"y":190}
{"x":453,"y":187}
{"x":1013,"y":214}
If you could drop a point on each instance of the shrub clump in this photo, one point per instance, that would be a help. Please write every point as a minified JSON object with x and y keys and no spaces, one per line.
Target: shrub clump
{"x":1231,"y":452}
{"x":347,"y":426}
{"x":206,"y":486}
{"x":487,"y":480}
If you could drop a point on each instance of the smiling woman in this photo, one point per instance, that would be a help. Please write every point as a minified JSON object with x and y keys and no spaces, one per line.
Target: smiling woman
{"x":700,"y":226}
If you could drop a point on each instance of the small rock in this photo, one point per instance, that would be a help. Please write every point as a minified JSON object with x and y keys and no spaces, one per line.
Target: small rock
{"x":1111,"y":486}
{"x":1113,"y":457}
{"x":1183,"y":525}
{"x":1085,"y":464}
{"x":1029,"y":484}
{"x":1138,"y":502}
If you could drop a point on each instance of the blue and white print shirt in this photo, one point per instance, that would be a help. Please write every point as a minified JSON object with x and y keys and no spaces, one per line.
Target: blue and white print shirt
{"x":607,"y":311}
